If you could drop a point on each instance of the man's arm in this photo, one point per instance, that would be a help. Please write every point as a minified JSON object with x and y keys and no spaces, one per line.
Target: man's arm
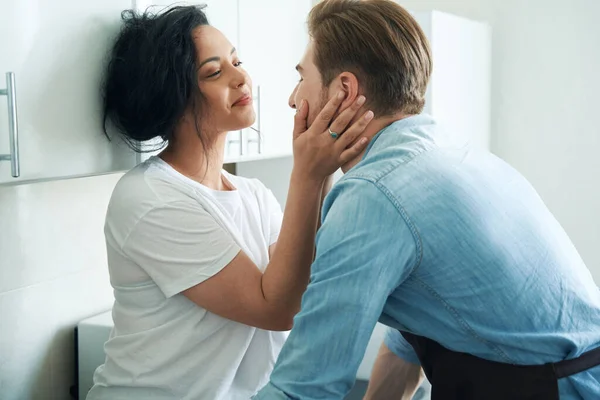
{"x":393,"y":377}
{"x":365,"y":250}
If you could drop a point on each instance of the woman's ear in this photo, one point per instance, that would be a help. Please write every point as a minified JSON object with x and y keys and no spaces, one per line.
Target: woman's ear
{"x":349,"y":84}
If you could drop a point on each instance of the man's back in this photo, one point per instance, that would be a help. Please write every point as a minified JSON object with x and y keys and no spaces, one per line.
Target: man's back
{"x":503,"y":277}
{"x":445,"y":243}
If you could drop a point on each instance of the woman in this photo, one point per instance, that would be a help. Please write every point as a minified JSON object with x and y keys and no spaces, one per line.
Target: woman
{"x":206,"y":275}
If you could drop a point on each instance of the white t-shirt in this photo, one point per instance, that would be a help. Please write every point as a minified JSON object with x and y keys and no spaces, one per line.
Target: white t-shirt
{"x":166,"y":233}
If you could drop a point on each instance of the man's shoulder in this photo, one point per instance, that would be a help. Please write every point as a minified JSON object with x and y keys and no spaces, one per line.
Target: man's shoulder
{"x":398,"y":146}
{"x":361,"y":215}
{"x":360,"y":197}
{"x":386,"y":171}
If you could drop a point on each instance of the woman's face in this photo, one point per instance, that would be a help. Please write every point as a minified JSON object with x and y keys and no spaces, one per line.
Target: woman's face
{"x":225,"y":85}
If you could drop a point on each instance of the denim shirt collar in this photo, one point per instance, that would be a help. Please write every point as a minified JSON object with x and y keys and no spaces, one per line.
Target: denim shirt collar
{"x":401,"y":124}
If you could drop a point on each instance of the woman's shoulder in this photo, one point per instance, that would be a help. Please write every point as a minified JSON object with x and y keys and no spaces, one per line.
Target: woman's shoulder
{"x":144,"y":188}
{"x":145,"y":198}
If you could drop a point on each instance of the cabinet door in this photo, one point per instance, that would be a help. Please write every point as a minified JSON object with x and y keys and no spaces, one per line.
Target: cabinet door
{"x":221,"y":14}
{"x":462,"y":81}
{"x":57,"y":53}
{"x":459,"y":91}
{"x":273,"y":38}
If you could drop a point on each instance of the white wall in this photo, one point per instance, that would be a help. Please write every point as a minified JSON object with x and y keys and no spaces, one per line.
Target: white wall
{"x":546,"y":85}
{"x":545,"y":88}
{"x":53,"y":273}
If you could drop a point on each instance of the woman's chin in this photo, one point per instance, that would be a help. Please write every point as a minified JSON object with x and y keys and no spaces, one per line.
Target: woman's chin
{"x":245,"y":122}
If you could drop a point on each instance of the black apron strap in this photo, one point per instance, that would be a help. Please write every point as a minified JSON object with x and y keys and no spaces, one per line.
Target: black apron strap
{"x":574,"y":366}
{"x":461,"y":376}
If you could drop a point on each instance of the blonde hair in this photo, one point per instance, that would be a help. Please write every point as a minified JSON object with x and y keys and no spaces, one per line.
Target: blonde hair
{"x":378,"y":41}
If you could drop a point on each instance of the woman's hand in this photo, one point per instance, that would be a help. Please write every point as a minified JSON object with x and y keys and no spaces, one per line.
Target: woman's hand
{"x":317,"y":154}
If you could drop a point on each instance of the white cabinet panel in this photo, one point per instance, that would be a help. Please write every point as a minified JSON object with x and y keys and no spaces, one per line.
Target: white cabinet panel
{"x":57,"y":53}
{"x":273,"y":38}
{"x":221,"y":14}
{"x":459,"y":92}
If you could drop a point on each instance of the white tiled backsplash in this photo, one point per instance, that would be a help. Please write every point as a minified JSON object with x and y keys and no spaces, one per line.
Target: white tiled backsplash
{"x":52,"y":274}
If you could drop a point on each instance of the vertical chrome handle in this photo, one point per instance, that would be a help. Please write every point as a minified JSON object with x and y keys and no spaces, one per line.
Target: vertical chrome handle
{"x":258,"y":120}
{"x":13,"y":126}
{"x":238,"y":140}
{"x":258,"y":140}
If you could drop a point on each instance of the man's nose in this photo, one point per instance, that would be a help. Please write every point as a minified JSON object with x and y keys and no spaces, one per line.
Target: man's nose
{"x":292,"y":99}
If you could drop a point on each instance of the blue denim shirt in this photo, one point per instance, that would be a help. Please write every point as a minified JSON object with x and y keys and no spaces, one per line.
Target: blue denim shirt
{"x":445,"y":242}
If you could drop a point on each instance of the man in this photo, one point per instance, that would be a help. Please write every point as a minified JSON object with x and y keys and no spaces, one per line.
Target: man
{"x":449,"y":247}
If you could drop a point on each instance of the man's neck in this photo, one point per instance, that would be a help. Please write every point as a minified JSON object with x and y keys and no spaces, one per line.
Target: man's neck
{"x":373,"y":129}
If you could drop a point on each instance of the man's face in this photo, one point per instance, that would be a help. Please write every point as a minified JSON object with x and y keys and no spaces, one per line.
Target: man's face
{"x":309,"y":87}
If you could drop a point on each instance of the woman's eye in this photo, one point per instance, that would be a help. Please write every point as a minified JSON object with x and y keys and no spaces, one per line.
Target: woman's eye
{"x":237,"y":64}
{"x":214,"y":74}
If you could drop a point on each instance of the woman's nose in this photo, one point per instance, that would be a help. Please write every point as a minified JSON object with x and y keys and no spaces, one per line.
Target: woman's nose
{"x":240,"y":78}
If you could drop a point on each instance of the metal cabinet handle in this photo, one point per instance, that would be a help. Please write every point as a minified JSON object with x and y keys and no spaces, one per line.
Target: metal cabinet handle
{"x":13,"y":126}
{"x":240,"y":138}
{"x":258,"y":140}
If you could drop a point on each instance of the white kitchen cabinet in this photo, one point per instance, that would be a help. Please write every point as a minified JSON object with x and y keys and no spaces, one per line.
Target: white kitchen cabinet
{"x":57,"y":53}
{"x":220,"y":13}
{"x":273,"y":37}
{"x":459,"y":92}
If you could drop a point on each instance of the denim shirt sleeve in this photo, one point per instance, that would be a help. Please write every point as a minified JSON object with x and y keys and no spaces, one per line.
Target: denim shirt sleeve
{"x":400,"y":347}
{"x":365,"y":250}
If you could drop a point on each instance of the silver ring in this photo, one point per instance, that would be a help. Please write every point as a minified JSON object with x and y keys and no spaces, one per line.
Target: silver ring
{"x":333,"y":134}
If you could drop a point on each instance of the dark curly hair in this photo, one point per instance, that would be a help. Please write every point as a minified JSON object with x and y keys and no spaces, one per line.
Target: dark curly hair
{"x":151,"y":79}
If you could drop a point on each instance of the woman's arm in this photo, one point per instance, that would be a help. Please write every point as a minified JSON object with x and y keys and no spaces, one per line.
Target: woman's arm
{"x":242,"y":293}
{"x":327,"y":184}
{"x":270,"y":300}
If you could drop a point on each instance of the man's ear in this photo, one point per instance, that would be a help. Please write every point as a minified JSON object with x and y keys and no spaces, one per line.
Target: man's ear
{"x":349,"y":84}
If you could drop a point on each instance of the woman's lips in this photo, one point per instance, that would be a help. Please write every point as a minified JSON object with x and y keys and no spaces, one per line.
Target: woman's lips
{"x":244,"y":101}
